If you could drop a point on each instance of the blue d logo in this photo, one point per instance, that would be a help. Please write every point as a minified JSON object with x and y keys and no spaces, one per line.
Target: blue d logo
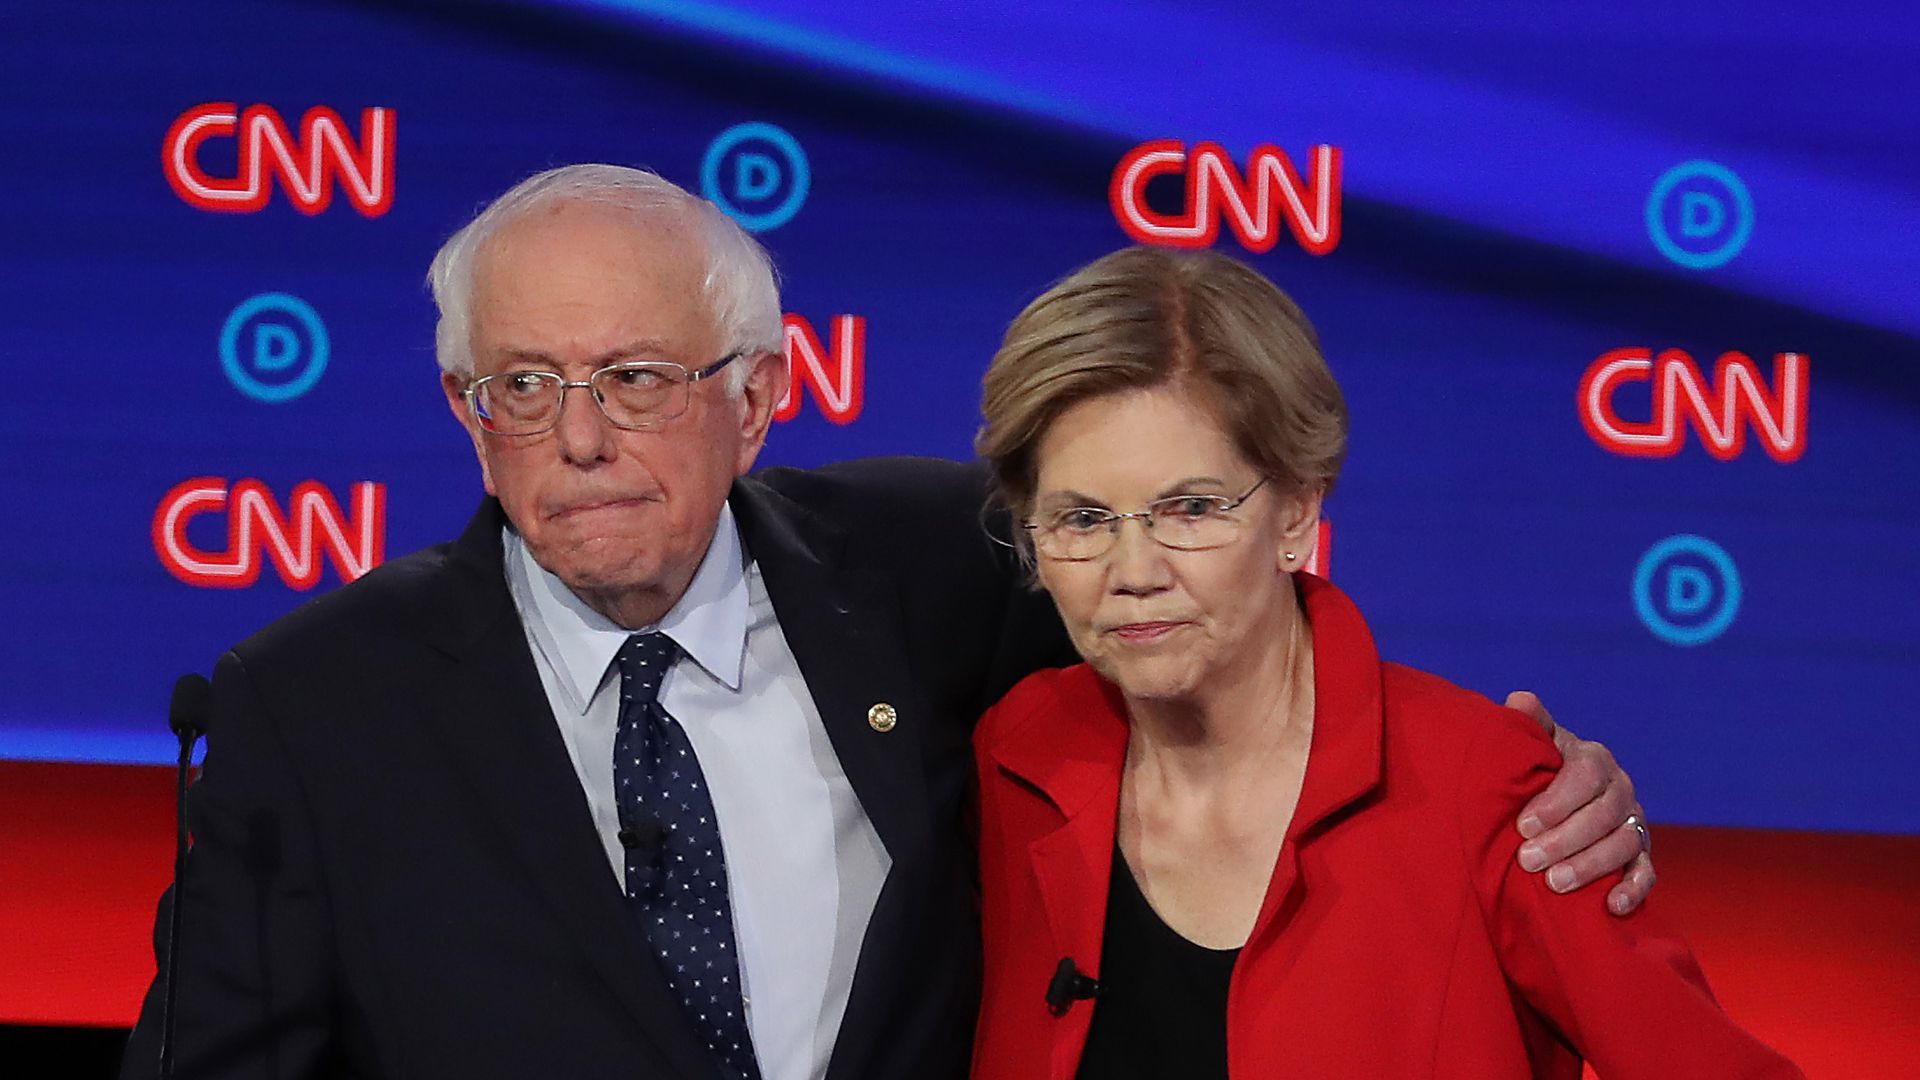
{"x":1699,"y":214}
{"x":758,"y":174}
{"x":274,"y":347}
{"x":1686,"y":590}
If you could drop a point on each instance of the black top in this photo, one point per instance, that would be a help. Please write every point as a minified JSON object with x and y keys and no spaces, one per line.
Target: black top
{"x":1162,"y":1009}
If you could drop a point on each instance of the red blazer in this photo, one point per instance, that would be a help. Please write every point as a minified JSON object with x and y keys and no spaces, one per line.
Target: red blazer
{"x":1398,"y":937}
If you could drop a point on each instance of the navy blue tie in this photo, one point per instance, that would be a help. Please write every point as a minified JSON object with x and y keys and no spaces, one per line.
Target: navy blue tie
{"x":676,"y":872}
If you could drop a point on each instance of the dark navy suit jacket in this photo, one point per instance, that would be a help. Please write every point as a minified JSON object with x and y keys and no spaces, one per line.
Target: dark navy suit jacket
{"x":395,"y":872}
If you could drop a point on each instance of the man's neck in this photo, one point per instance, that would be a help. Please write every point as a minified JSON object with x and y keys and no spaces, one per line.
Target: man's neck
{"x":634,"y":608}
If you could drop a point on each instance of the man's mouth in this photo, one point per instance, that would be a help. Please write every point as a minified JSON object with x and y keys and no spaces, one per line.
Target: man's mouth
{"x":588,"y":506}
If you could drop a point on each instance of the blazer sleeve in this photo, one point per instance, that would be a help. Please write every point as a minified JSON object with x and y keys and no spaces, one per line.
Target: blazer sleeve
{"x":255,"y":982}
{"x":1626,"y":992}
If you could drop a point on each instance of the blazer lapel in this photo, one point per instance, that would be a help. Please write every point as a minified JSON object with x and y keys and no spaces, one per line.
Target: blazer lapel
{"x":1344,"y":764}
{"x":1077,"y":765}
{"x":493,"y":720}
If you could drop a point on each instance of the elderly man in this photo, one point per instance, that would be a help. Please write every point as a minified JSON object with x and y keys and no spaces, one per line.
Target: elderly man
{"x":659,"y":770}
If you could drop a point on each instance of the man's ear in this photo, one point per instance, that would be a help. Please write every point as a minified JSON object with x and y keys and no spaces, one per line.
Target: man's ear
{"x":766,"y":384}
{"x":455,"y":387}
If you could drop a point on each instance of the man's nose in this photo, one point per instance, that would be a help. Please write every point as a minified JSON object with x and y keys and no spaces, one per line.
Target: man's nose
{"x":583,"y":433}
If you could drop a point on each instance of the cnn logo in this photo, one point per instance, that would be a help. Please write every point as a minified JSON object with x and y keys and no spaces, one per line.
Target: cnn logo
{"x":309,"y":166}
{"x":1254,"y":204}
{"x":258,"y":532}
{"x":1721,"y":410}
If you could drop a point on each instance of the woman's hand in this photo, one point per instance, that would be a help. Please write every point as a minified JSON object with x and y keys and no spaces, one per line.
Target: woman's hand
{"x":1587,"y":823}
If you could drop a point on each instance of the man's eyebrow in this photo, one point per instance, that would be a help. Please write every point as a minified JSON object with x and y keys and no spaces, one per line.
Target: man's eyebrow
{"x":528,"y":356}
{"x":640,"y":347}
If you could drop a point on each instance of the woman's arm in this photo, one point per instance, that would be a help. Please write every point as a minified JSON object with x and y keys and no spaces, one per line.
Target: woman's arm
{"x":1625,"y":991}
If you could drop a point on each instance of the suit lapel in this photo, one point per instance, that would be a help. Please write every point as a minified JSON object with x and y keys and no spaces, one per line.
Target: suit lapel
{"x":844,"y":627}
{"x":492,"y":718}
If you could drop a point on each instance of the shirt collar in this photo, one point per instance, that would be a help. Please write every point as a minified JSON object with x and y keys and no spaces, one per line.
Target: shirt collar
{"x":708,"y":622}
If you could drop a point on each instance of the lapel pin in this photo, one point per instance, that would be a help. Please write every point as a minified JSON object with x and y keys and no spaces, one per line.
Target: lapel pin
{"x":882,"y":717}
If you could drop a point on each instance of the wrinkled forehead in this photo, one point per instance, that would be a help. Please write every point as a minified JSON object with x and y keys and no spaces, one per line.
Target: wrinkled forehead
{"x":589,"y":239}
{"x":581,"y":278}
{"x":1137,"y":445}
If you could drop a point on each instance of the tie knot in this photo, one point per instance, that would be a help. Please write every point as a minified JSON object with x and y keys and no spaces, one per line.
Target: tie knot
{"x":644,"y":661}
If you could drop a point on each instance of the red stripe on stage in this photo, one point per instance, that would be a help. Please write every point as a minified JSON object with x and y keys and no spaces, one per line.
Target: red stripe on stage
{"x":84,"y":855}
{"x":1811,"y":939}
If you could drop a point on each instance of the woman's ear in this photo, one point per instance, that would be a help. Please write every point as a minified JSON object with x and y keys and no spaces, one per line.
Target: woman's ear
{"x":1299,"y":527}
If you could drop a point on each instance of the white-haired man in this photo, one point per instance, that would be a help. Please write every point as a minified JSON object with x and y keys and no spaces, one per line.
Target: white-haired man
{"x":660,"y":769}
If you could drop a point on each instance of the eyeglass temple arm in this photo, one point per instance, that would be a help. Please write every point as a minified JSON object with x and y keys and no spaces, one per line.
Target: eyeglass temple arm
{"x":714,"y":368}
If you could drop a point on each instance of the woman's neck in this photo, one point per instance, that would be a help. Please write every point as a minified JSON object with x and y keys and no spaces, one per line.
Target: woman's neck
{"x":1236,"y":724}
{"x":1210,"y":789}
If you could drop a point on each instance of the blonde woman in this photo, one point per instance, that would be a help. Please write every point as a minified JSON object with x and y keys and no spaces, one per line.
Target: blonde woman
{"x":1235,"y":842}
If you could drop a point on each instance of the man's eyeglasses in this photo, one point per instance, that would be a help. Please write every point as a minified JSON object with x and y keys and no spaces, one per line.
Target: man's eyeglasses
{"x":634,"y":395}
{"x":1182,"y":522}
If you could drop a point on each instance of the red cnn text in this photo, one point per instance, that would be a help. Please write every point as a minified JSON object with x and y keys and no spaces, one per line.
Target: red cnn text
{"x":1253,"y":204}
{"x":1721,"y":410}
{"x":309,"y":167}
{"x":835,"y":373}
{"x":257,"y":532}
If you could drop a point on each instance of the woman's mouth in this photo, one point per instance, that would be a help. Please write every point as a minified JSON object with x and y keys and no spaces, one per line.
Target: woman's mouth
{"x":1146,"y":631}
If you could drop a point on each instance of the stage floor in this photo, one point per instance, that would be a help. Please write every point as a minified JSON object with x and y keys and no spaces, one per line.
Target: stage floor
{"x":1810,"y":939}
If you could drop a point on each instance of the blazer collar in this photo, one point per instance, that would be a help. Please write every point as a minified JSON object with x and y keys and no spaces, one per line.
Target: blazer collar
{"x":472,"y":588}
{"x":1349,"y":716}
{"x":1074,"y":756}
{"x":1076,"y":759}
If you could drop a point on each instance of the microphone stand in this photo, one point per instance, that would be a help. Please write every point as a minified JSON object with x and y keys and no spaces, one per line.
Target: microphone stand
{"x":192,"y":701}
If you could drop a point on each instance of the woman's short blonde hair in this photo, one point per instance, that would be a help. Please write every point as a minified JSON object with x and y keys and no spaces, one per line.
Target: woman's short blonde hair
{"x":1147,"y":317}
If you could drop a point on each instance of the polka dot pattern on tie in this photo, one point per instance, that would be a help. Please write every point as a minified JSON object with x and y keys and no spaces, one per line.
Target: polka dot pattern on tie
{"x":678,"y":888}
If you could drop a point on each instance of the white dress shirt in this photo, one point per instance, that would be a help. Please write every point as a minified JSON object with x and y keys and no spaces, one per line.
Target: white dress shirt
{"x":804,"y":865}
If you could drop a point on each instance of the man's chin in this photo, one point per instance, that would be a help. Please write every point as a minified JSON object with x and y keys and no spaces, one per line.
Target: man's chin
{"x":584,"y":577}
{"x":598,"y":564}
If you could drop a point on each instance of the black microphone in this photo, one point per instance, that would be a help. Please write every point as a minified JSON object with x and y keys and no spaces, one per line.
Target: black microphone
{"x":192,"y":705}
{"x":1068,"y":986}
{"x":645,"y":836}
{"x":188,"y":717}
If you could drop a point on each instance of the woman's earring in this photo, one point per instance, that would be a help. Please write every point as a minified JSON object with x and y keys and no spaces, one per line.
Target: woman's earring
{"x":1290,"y":556}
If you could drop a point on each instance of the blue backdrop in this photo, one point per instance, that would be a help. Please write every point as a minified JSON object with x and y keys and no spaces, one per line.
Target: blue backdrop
{"x":1515,"y":201}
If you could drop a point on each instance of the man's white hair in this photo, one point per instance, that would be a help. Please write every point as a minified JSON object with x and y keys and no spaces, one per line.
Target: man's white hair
{"x":742,"y":298}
